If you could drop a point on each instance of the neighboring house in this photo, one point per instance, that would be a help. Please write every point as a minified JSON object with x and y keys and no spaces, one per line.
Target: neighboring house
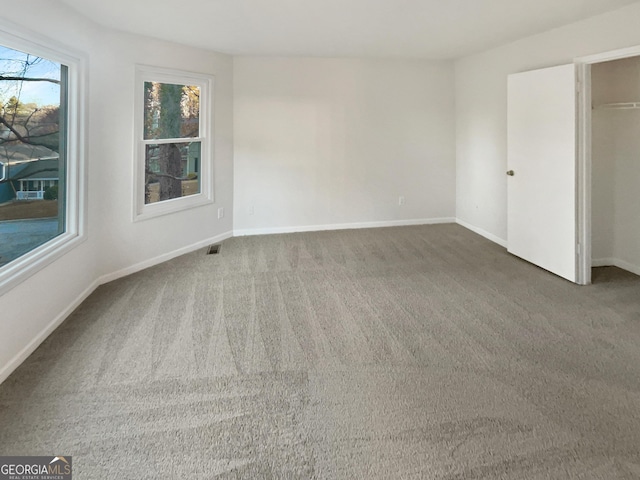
{"x":32,"y":180}
{"x":27,"y":178}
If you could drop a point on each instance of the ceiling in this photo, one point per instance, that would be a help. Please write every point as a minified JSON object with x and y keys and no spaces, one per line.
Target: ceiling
{"x":431,"y":29}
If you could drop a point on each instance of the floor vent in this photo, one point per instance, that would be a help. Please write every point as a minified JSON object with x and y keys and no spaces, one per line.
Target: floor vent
{"x":213,"y":250}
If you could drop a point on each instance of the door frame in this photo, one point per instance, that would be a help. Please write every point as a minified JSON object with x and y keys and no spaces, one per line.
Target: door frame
{"x":583,"y":165}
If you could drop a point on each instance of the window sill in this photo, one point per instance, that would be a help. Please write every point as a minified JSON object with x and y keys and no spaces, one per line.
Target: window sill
{"x":171,"y":206}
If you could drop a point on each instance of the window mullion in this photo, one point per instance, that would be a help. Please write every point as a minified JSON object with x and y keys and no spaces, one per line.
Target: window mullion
{"x":161,"y":141}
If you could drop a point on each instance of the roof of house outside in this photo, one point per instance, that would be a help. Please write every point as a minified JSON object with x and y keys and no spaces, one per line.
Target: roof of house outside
{"x":35,"y":170}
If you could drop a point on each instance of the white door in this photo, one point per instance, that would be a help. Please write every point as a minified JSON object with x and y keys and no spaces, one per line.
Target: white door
{"x":541,"y":125}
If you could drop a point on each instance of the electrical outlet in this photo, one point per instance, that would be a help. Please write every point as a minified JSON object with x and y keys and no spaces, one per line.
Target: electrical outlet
{"x":251,"y":210}
{"x":220,"y":212}
{"x":401,"y":200}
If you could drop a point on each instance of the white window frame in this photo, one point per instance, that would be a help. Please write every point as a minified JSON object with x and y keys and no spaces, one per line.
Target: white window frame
{"x":20,"y":38}
{"x":145,"y":73}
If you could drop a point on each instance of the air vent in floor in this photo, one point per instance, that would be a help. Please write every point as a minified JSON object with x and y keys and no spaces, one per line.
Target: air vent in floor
{"x":213,"y":250}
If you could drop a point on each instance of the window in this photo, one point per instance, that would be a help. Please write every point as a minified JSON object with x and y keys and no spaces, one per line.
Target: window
{"x":173,"y":151}
{"x":40,"y":163}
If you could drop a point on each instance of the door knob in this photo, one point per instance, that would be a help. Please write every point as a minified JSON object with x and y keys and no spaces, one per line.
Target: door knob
{"x":511,"y":173}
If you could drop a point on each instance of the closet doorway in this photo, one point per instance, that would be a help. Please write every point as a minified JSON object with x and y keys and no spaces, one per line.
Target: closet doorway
{"x":591,"y":216}
{"x":615,"y":164}
{"x":610,"y":160}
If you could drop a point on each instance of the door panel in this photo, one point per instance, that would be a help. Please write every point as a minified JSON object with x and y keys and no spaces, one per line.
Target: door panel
{"x":541,"y":126}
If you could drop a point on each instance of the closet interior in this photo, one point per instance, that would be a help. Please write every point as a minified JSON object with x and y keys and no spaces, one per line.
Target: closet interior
{"x":615,"y":156}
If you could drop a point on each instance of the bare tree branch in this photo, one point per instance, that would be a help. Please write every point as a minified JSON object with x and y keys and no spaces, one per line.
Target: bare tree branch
{"x":30,"y":137}
{"x":29,"y":79}
{"x":14,"y":131}
{"x":27,"y":140}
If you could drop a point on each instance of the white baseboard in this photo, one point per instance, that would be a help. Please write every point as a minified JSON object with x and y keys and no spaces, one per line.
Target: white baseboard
{"x":341,"y":226}
{"x":484,"y":233}
{"x":23,"y":354}
{"x":15,"y":362}
{"x":109,"y":277}
{"x":615,"y":262}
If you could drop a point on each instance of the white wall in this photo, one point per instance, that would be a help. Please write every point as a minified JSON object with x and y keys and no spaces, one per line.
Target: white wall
{"x":112,"y":82}
{"x":616,"y":165}
{"x":337,"y":141}
{"x":481,"y":107}
{"x":115,"y":244}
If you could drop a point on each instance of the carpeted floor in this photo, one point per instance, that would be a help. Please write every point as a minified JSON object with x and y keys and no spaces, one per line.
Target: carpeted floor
{"x":412,"y":352}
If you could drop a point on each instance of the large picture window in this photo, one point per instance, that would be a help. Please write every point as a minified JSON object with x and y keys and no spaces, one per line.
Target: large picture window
{"x":173,"y":126}
{"x":40,"y":169}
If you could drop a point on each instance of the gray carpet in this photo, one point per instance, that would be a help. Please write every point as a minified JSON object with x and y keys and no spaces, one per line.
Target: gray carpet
{"x":412,"y":352}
